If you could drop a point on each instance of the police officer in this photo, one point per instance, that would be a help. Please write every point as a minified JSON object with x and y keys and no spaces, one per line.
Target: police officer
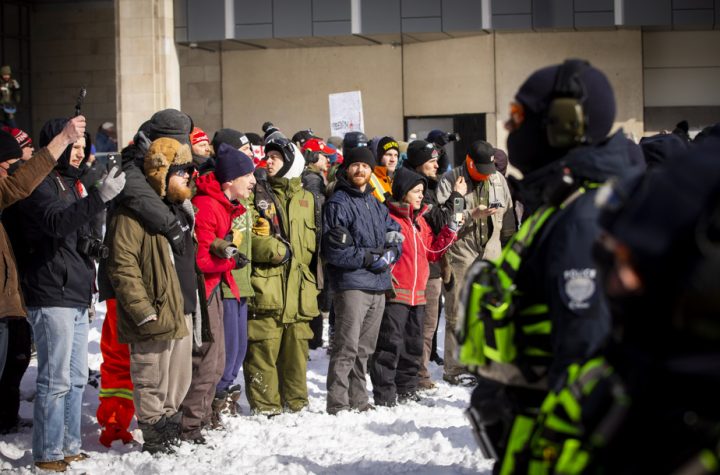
{"x":648,"y":404}
{"x":539,"y":307}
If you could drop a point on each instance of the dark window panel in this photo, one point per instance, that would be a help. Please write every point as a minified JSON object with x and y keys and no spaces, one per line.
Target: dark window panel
{"x":206,"y":20}
{"x":331,"y":10}
{"x":693,"y":19}
{"x":553,"y":14}
{"x":249,"y":12}
{"x":380,"y":16}
{"x":421,"y":25}
{"x":420,"y":8}
{"x":511,"y":7}
{"x":512,"y":22}
{"x":690,"y":4}
{"x":648,"y":12}
{"x":594,"y":5}
{"x":180,"y":13}
{"x":462,"y":15}
{"x":594,"y":19}
{"x":332,"y":28}
{"x":249,"y":32}
{"x":292,"y":18}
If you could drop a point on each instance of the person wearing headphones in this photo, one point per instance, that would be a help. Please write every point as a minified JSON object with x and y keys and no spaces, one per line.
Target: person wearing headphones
{"x":540,"y":307}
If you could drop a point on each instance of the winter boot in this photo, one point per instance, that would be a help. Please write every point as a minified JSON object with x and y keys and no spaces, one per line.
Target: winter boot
{"x":52,"y":466}
{"x":233,"y":400}
{"x":412,"y":396}
{"x":194,"y":436}
{"x":155,"y":437}
{"x":173,"y":428}
{"x":218,"y":407}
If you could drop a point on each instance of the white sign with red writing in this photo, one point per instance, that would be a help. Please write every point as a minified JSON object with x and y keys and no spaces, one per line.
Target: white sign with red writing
{"x":346,"y":113}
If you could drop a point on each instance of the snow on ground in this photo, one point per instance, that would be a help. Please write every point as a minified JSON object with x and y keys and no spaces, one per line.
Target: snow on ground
{"x":429,"y":437}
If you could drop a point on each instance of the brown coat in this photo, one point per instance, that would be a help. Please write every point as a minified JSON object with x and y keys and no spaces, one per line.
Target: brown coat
{"x":15,"y":188}
{"x":143,"y":275}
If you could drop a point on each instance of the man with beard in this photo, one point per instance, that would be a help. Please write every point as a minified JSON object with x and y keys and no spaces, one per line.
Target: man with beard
{"x":284,"y":250}
{"x":540,"y":307}
{"x":156,"y":291}
{"x":422,"y":156}
{"x":55,"y":254}
{"x":360,"y":241}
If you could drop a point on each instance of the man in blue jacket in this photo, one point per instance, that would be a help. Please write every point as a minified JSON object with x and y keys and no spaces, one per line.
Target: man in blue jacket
{"x":360,"y":242}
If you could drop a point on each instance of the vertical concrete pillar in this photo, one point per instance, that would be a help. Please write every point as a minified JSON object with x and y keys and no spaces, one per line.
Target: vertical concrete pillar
{"x":147,"y":69}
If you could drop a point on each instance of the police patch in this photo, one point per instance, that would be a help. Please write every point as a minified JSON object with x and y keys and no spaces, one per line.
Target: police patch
{"x":579,"y":287}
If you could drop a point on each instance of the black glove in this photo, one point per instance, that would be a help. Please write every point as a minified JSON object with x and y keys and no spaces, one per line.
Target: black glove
{"x":176,"y":237}
{"x":241,"y":260}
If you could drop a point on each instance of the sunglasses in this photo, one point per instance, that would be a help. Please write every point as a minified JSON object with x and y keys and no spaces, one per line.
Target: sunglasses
{"x":517,"y":117}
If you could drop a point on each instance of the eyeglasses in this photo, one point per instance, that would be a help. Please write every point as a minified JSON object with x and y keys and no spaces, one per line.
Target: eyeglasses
{"x":183,"y":173}
{"x":517,"y":117}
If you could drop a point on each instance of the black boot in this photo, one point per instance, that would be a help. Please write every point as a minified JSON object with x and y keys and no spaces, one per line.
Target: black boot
{"x":155,"y":437}
{"x":173,"y":428}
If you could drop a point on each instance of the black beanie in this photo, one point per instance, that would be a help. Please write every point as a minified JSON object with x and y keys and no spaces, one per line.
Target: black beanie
{"x":385,"y":144}
{"x":284,"y":147}
{"x":419,"y":152}
{"x":231,"y":163}
{"x":232,"y":137}
{"x":359,"y":154}
{"x":404,"y":181}
{"x":9,"y":148}
{"x":170,"y":123}
{"x":354,"y":140}
{"x":598,"y":102}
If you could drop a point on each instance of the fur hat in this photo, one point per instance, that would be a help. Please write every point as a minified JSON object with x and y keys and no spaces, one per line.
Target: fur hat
{"x":163,"y":154}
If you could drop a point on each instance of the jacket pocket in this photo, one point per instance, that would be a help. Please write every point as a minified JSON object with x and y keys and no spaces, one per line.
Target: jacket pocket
{"x":308,"y":294}
{"x":145,"y":370}
{"x":165,"y":322}
{"x":267,"y":283}
{"x":310,"y":238}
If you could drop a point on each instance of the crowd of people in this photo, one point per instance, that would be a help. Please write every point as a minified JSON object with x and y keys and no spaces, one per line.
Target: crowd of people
{"x":218,"y":254}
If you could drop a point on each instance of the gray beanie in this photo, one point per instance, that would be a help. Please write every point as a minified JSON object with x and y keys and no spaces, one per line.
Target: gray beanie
{"x":170,"y":123}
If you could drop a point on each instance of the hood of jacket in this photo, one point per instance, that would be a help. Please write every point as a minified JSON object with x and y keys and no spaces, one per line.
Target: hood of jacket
{"x":52,"y":128}
{"x":209,"y":186}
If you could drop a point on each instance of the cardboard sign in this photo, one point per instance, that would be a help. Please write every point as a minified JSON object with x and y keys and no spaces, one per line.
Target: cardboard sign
{"x":346,"y":113}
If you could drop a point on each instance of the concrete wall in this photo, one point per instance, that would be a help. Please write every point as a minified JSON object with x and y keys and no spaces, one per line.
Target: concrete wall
{"x":290,"y":87}
{"x":73,"y":44}
{"x":449,"y":77}
{"x":681,"y":77}
{"x":617,"y":53}
{"x":201,"y":87}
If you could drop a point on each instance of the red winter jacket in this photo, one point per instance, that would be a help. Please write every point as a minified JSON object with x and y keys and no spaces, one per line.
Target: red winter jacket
{"x":412,"y":269}
{"x":213,"y":219}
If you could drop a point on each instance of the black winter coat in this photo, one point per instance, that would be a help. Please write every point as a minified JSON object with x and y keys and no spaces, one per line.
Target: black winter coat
{"x":46,"y":228}
{"x":367,"y":221}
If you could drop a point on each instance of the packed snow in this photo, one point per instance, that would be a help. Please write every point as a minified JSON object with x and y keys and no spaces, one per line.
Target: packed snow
{"x":429,"y":437}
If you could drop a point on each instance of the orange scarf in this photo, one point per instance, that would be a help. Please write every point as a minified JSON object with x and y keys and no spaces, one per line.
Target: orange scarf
{"x":473,"y":172}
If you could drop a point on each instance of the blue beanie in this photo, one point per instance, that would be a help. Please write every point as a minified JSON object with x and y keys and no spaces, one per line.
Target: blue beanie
{"x":231,"y":163}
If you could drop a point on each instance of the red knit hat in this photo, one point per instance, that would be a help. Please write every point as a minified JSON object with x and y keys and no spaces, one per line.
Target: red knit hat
{"x":22,"y":138}
{"x":197,"y":135}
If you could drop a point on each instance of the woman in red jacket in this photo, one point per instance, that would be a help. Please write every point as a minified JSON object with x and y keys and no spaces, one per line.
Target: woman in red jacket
{"x":398,"y":354}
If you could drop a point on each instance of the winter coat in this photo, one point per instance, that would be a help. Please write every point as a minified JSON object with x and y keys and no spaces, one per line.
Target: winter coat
{"x":438,"y":215}
{"x":367,"y":221}
{"x":213,"y":220}
{"x":480,"y":237}
{"x":559,"y":269}
{"x":286,"y":291}
{"x":381,"y":183}
{"x":242,"y":238}
{"x":143,"y":275}
{"x":421,"y":246}
{"x":14,"y":188}
{"x":46,"y":229}
{"x":138,"y":196}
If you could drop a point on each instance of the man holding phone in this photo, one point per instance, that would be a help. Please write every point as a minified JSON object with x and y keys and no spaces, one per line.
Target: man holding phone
{"x":423,"y":157}
{"x":487,"y":199}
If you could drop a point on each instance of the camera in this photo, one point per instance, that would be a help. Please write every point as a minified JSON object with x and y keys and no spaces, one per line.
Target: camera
{"x":495,"y":204}
{"x":453,"y":137}
{"x":92,"y":248}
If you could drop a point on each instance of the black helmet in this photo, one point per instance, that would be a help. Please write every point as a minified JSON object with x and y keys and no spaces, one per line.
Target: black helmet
{"x":353,"y":140}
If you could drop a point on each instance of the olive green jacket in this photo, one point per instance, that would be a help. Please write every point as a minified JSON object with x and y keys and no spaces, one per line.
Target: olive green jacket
{"x":286,"y":291}
{"x":143,"y":275}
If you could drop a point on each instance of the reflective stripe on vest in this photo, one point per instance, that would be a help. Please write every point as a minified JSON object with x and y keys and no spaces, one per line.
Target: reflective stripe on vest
{"x":378,"y":189}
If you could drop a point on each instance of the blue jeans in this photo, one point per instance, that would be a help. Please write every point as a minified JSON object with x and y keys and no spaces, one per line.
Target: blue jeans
{"x":61,"y":340}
